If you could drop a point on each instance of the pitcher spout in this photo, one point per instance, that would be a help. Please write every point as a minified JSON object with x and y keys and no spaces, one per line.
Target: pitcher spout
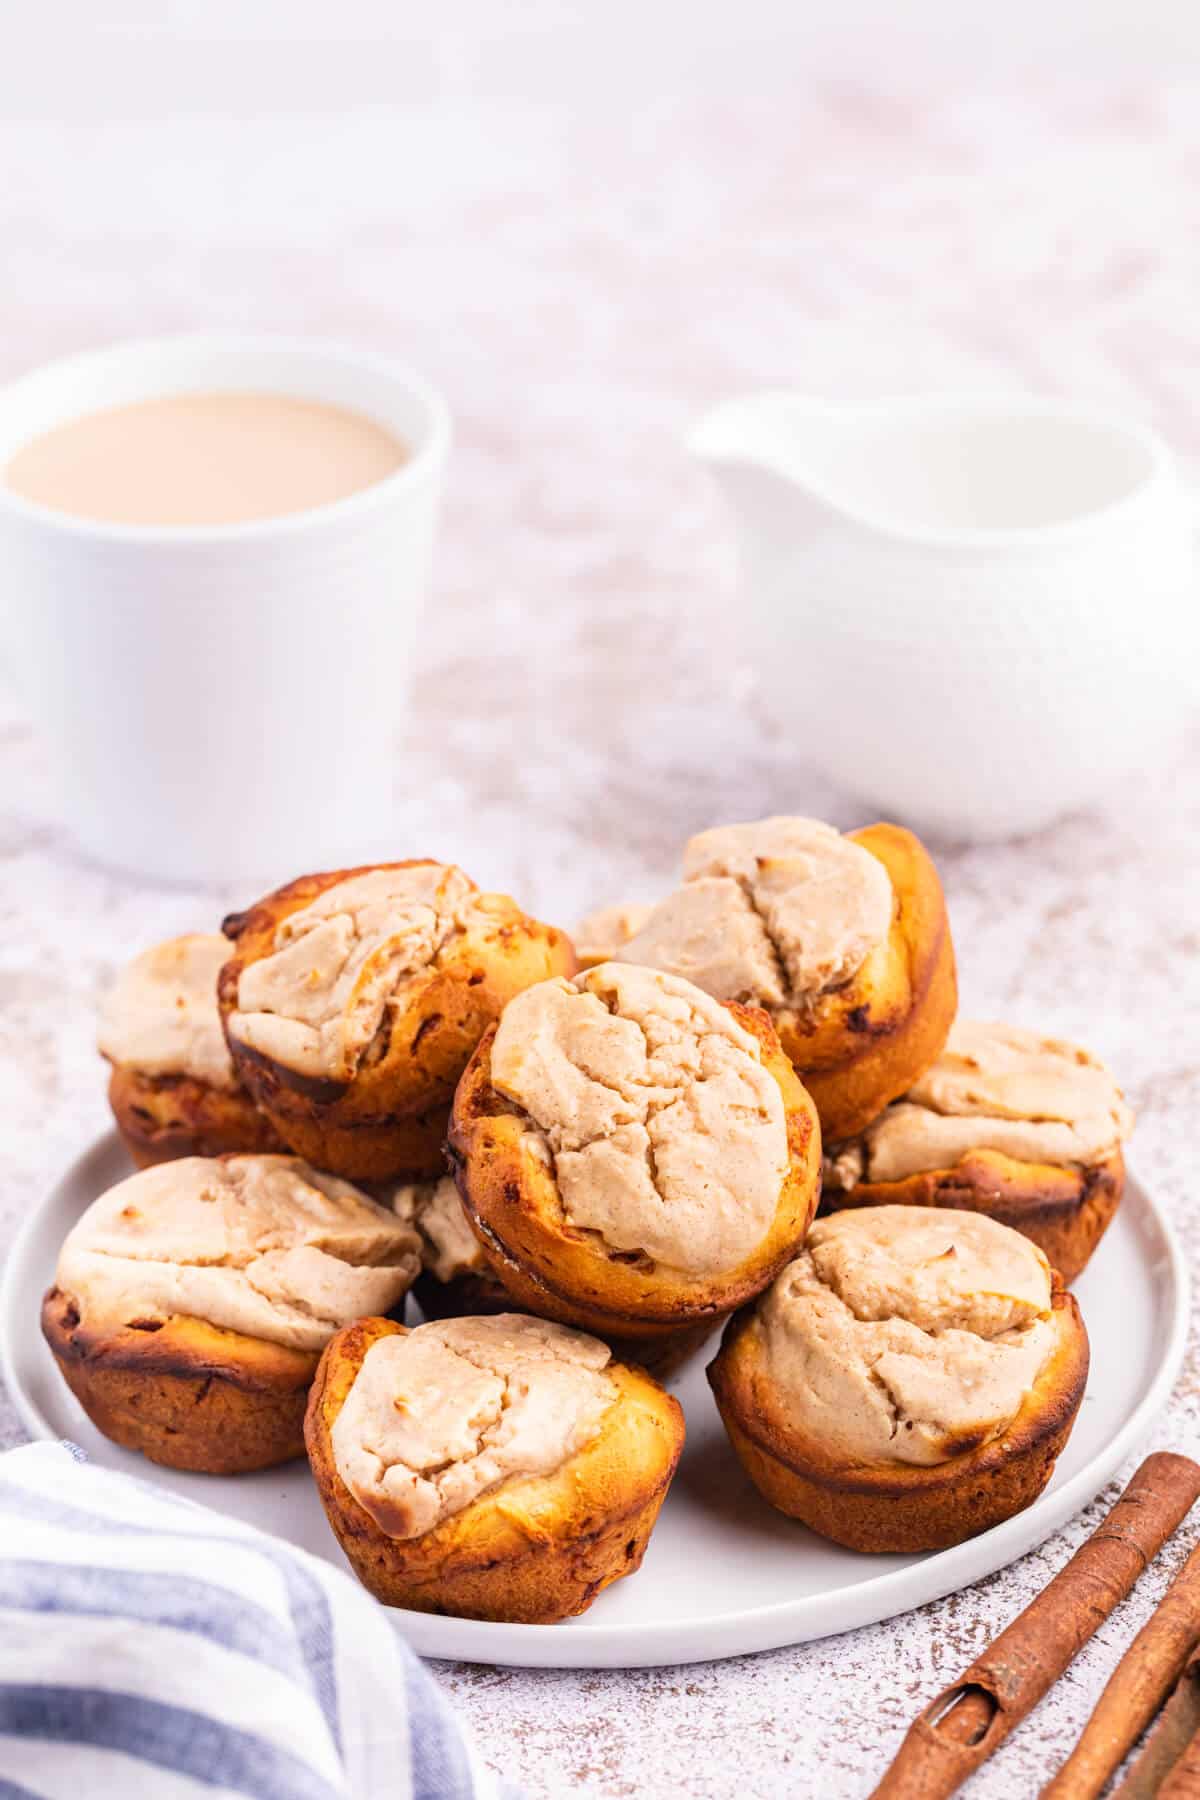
{"x":774,"y":430}
{"x":766,"y":452}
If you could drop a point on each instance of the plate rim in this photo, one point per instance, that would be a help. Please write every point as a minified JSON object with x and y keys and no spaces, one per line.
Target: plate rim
{"x":654,"y":1644}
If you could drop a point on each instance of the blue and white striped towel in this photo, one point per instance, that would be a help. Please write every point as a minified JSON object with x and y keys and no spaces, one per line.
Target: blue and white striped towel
{"x":151,"y":1649}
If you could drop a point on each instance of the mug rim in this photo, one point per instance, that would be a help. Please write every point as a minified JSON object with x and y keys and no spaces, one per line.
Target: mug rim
{"x":424,"y":458}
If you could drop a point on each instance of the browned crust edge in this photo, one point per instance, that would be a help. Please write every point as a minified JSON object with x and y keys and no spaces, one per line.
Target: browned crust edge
{"x":1064,"y":1211}
{"x":891,"y":1507}
{"x":182,"y":1392}
{"x":390,"y":1121}
{"x":163,"y":1117}
{"x":533,"y":1551}
{"x":554,"y":1270}
{"x":866,"y":1043}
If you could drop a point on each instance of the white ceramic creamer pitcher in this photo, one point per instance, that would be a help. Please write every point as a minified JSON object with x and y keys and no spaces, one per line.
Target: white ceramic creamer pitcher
{"x":975,"y":614}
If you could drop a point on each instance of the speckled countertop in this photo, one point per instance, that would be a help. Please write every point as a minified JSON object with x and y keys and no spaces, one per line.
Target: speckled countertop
{"x":582,"y":703}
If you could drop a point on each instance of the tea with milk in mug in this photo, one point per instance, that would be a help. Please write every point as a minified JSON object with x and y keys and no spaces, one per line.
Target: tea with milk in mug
{"x":203,"y":459}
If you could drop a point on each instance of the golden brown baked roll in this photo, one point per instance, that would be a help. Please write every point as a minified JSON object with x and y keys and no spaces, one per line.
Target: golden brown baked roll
{"x":173,"y":1090}
{"x":191,"y":1303}
{"x":354,"y":999}
{"x":844,"y":941}
{"x":495,"y":1468}
{"x":1024,"y":1128}
{"x":908,"y":1381}
{"x":635,"y":1158}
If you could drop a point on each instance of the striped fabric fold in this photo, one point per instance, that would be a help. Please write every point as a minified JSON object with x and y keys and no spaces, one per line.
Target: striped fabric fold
{"x":150,"y":1646}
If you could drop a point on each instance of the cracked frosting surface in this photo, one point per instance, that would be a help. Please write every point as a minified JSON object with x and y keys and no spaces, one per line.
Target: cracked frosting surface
{"x":778,"y":912}
{"x":261,"y":1245}
{"x":602,"y":933}
{"x":665,"y":1132}
{"x":317,"y":1001}
{"x":434,"y":1211}
{"x":994,"y":1087}
{"x":443,"y":1414}
{"x":907,"y":1334}
{"x":160,"y":1016}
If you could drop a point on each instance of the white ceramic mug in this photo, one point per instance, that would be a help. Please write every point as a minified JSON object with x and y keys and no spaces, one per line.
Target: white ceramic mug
{"x":976,"y":614}
{"x":221,"y":702}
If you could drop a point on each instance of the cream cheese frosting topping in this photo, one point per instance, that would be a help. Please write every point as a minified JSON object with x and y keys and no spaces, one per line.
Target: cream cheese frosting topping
{"x":316,"y":1003}
{"x":601,"y":934}
{"x":261,"y":1245}
{"x":907,"y":1334}
{"x":665,"y":1132}
{"x":778,"y":912}
{"x":994,"y":1087}
{"x":439,"y":1416}
{"x":449,"y":1247}
{"x":161,"y":1017}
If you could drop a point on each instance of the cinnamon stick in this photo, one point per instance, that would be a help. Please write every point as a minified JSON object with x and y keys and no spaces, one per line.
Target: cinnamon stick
{"x":1177,"y":1726}
{"x":961,"y":1728}
{"x":1136,"y":1689}
{"x":1183,"y":1783}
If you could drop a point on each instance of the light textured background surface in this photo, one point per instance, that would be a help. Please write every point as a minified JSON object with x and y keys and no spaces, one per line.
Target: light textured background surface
{"x":583,"y":272}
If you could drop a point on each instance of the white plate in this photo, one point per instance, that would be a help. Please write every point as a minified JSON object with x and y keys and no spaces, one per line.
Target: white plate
{"x":724,"y":1574}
